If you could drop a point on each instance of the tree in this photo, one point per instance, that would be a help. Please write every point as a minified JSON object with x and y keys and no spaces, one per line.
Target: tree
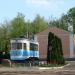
{"x":71,"y":15}
{"x":63,"y":22}
{"x":39,"y":24}
{"x":59,"y":23}
{"x":49,"y":50}
{"x":54,"y":51}
{"x":5,"y":37}
{"x":18,"y":26}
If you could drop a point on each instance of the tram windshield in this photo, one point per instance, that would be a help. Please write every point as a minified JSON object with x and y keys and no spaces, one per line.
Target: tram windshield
{"x":33,"y":46}
{"x":16,"y":46}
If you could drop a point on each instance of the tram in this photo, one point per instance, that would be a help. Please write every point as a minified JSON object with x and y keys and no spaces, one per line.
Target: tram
{"x":22,"y":49}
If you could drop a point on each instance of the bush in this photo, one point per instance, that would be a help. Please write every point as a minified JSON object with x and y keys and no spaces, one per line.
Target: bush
{"x":54,"y":51}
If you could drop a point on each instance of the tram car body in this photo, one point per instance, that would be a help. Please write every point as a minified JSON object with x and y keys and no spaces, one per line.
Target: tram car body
{"x":22,"y":49}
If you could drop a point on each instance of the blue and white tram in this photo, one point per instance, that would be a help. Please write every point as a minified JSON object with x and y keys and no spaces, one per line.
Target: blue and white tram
{"x":22,"y":49}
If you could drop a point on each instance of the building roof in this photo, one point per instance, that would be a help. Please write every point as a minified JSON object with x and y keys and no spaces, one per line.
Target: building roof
{"x":53,"y":30}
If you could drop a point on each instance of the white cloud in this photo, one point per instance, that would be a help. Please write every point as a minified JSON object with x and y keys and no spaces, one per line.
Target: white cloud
{"x":40,"y":1}
{"x":36,"y":2}
{"x":49,"y":5}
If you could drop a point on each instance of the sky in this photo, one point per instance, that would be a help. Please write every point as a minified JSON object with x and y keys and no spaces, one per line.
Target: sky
{"x":30,"y":8}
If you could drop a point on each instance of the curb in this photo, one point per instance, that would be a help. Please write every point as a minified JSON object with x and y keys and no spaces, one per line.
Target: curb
{"x":44,"y":68}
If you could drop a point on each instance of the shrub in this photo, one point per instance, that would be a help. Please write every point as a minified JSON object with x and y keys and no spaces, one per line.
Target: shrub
{"x":54,"y":51}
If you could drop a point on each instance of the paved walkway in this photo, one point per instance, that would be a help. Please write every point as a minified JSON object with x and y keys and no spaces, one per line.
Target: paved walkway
{"x":67,"y":70}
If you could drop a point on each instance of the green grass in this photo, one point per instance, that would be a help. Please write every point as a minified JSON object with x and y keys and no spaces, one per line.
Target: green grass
{"x":4,"y":65}
{"x":23,"y":65}
{"x":51,"y":65}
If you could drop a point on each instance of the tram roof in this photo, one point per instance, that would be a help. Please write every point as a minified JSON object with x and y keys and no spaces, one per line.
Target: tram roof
{"x":32,"y":40}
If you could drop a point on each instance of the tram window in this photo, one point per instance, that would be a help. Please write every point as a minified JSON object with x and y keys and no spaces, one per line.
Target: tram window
{"x":24,"y":46}
{"x":13,"y":46}
{"x":19,"y":45}
{"x":33,"y":46}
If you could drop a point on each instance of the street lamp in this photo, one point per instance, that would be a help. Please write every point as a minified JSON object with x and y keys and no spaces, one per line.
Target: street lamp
{"x":70,"y":29}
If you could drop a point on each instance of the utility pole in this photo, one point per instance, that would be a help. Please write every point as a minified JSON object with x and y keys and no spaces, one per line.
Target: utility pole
{"x":70,"y":29}
{"x":27,"y":32}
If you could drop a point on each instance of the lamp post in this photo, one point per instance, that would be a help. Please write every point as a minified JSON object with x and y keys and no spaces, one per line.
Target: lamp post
{"x":70,"y":29}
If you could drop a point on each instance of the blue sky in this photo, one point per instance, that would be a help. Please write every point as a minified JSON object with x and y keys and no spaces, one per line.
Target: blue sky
{"x":30,"y":8}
